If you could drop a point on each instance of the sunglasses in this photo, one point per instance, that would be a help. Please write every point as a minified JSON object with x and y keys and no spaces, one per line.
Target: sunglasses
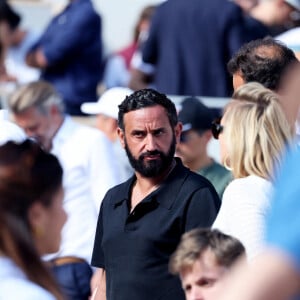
{"x":216,"y":128}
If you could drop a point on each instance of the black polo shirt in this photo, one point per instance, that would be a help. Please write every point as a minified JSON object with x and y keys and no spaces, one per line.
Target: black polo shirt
{"x":134,"y":248}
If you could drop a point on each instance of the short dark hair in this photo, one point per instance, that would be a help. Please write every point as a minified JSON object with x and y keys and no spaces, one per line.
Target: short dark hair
{"x":7,"y":14}
{"x":262,"y":60}
{"x":226,"y":249}
{"x":147,"y":98}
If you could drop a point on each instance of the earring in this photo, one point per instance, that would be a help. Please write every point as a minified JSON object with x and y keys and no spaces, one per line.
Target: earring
{"x":38,"y":232}
{"x":226,"y":164}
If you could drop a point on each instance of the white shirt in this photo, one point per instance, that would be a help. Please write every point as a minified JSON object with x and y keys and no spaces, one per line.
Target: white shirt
{"x":15,"y":60}
{"x":244,"y":206}
{"x":89,"y":168}
{"x":15,"y":285}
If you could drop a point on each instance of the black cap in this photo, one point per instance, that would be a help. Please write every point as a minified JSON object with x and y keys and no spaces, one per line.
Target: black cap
{"x":195,"y":115}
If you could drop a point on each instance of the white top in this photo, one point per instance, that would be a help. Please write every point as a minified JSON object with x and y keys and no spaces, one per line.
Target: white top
{"x":10,"y":132}
{"x":244,"y":206}
{"x":15,"y":60}
{"x":89,"y":168}
{"x":15,"y":285}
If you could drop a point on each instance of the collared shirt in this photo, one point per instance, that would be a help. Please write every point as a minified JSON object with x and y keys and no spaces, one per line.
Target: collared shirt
{"x":72,"y":46}
{"x":15,"y":285}
{"x":134,"y":248}
{"x":87,"y":159}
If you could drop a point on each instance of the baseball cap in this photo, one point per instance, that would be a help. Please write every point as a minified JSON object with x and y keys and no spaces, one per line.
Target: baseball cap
{"x":294,"y":3}
{"x":10,"y":132}
{"x":193,"y":114}
{"x":108,"y":102}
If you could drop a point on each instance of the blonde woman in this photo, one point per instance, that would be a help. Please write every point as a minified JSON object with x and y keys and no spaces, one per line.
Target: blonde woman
{"x":253,"y":134}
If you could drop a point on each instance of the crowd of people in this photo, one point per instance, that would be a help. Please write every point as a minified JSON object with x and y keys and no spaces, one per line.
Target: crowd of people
{"x":135,"y":207}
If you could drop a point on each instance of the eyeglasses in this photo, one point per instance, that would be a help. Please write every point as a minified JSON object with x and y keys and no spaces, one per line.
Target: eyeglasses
{"x":216,"y":128}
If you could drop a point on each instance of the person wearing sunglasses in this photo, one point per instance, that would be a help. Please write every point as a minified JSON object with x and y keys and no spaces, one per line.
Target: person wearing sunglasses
{"x":253,"y":134}
{"x":196,"y":119}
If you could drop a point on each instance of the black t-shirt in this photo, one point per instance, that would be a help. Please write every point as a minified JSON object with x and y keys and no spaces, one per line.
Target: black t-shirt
{"x":134,"y":248}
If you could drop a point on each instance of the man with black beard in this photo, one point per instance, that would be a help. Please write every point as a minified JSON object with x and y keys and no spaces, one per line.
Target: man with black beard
{"x":141,"y":221}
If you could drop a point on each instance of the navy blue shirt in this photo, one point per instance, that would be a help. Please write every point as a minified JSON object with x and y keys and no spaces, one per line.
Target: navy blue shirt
{"x":72,"y":46}
{"x":134,"y":248}
{"x":190,"y":43}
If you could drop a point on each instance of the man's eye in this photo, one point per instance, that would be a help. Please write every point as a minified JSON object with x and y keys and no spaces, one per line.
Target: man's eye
{"x":138,"y":134}
{"x":158,"y":132}
{"x":187,"y":288}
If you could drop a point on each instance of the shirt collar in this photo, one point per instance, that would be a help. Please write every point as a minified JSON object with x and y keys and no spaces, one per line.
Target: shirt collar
{"x":171,"y":186}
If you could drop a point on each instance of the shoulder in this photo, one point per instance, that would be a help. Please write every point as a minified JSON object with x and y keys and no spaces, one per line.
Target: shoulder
{"x":248,"y":188}
{"x":11,"y":277}
{"x":118,"y":192}
{"x":86,"y":134}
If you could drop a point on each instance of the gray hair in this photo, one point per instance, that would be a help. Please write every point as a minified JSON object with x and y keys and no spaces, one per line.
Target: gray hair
{"x":39,"y":94}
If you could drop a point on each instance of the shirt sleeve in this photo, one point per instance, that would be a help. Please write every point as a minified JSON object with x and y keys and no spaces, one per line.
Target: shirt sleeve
{"x":102,"y":168}
{"x":242,"y":215}
{"x":202,"y":209}
{"x":98,"y":255}
{"x":79,"y":30}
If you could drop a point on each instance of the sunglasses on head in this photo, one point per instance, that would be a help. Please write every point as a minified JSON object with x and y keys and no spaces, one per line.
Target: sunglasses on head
{"x":216,"y":128}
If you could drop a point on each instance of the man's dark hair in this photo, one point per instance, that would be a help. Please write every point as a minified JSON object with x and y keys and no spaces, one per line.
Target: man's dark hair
{"x":147,"y":98}
{"x":7,"y":14}
{"x":262,"y":60}
{"x":195,"y":242}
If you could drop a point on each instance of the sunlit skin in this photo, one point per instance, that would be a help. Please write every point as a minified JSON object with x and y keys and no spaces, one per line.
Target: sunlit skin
{"x":193,"y":151}
{"x":201,"y":280}
{"x":41,"y":127}
{"x":47,"y":223}
{"x":147,"y":129}
{"x":237,"y":80}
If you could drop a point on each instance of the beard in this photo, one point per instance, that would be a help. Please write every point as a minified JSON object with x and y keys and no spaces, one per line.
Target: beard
{"x":154,"y":167}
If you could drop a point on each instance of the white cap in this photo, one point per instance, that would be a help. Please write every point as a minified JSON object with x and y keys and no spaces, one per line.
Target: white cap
{"x":108,"y":102}
{"x":294,"y":3}
{"x":10,"y":132}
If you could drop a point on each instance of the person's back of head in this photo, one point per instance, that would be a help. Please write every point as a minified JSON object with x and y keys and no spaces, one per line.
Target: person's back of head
{"x":147,"y":98}
{"x":256,"y":131}
{"x":28,"y":176}
{"x":262,"y":60}
{"x":8,"y":15}
{"x":39,"y":94}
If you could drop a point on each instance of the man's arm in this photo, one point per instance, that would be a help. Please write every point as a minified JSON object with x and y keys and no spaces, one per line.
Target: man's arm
{"x":98,"y":285}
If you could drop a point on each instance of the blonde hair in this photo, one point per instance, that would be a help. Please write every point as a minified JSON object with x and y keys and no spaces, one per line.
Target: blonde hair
{"x":39,"y":94}
{"x":256,"y":131}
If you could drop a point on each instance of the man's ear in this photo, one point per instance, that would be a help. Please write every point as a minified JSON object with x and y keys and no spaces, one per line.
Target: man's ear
{"x":121,"y":136}
{"x":177,"y":131}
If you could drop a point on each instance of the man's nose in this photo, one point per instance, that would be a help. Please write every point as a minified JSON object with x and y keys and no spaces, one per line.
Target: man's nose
{"x":150,"y":143}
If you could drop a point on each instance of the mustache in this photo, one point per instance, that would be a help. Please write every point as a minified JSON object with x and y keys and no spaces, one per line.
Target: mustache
{"x":151,"y":153}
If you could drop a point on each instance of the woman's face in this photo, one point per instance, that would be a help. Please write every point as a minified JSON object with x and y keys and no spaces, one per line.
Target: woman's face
{"x":47,"y":223}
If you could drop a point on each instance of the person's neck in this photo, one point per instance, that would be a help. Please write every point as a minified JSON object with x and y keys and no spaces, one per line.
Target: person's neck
{"x":57,"y":123}
{"x":144,"y":186}
{"x":146,"y":183}
{"x":200,"y":163}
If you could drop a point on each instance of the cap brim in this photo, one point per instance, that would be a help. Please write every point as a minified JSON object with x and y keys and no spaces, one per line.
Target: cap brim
{"x":90,"y":108}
